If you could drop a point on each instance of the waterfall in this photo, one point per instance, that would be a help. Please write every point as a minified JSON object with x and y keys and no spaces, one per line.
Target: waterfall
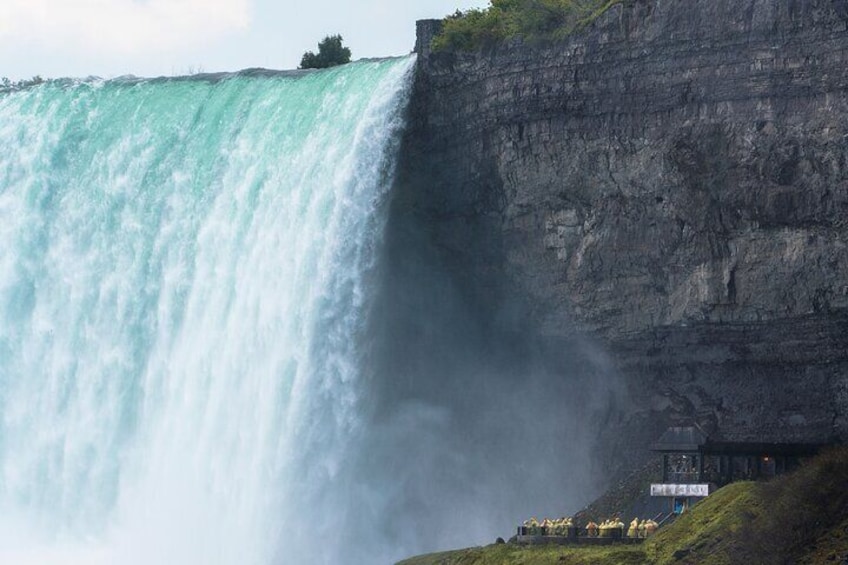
{"x":184,"y":288}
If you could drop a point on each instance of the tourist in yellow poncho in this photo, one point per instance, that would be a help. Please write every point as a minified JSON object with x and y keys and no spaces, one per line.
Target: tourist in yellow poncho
{"x":616,"y":528}
{"x":604,"y":529}
{"x":548,"y":527}
{"x":534,"y":527}
{"x":651,"y":527}
{"x":633,"y":530}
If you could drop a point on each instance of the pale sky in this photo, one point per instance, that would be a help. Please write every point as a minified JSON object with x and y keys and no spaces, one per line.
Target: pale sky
{"x":108,"y":38}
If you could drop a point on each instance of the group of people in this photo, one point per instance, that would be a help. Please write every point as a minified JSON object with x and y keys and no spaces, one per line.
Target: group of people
{"x":642,"y":529}
{"x":615,"y":528}
{"x":608,"y":528}
{"x":548,"y":527}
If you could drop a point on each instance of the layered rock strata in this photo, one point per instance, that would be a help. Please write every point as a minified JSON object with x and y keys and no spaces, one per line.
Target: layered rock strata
{"x":673,"y":182}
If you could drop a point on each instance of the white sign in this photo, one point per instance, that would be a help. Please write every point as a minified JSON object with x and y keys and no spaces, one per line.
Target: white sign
{"x":680,"y":490}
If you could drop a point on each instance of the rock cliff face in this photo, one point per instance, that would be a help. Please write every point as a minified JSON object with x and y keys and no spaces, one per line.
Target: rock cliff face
{"x":672,"y":182}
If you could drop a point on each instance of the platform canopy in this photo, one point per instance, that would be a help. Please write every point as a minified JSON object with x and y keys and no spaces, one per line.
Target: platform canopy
{"x":692,"y":439}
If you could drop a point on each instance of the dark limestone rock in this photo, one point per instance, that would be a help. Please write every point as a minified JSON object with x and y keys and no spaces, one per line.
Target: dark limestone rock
{"x":673,"y":182}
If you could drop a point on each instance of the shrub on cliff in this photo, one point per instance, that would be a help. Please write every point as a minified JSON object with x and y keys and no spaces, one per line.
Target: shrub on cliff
{"x":331,"y":53}
{"x":531,"y":20}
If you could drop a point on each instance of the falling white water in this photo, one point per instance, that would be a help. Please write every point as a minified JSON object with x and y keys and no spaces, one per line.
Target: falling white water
{"x":183,"y":286}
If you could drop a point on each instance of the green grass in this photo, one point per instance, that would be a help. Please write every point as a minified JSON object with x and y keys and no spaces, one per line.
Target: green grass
{"x":508,"y":554}
{"x":798,"y":518}
{"x":530,"y":20}
{"x":710,"y":533}
{"x":829,"y":547}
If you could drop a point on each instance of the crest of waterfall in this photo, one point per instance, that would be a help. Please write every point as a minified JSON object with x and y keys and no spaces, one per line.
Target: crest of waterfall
{"x":184,"y":270}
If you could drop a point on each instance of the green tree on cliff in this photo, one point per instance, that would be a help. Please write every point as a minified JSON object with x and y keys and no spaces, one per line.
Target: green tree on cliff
{"x":331,"y":52}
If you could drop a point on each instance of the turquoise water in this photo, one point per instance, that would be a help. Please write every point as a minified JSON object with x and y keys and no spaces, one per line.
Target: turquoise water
{"x":183,"y":276}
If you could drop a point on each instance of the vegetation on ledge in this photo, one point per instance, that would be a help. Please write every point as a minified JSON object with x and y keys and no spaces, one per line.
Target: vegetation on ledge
{"x":798,"y":518}
{"x":331,"y":53}
{"x":531,"y":20}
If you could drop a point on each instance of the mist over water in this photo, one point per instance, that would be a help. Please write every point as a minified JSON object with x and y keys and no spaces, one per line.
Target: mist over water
{"x":479,"y":421}
{"x":221,"y":342}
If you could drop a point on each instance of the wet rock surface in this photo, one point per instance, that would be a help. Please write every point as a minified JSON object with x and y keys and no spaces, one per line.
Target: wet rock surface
{"x":672,"y":182}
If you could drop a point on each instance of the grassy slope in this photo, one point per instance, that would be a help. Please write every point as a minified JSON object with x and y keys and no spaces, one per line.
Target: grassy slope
{"x":508,"y":554}
{"x":710,"y":533}
{"x":831,"y":547}
{"x":800,"y":518}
